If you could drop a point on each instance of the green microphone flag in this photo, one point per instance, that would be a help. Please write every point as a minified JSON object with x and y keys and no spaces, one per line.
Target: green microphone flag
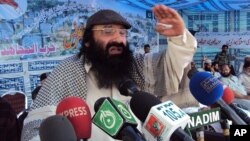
{"x":112,"y":116}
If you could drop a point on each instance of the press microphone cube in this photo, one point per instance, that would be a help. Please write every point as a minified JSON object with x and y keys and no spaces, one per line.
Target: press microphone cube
{"x":112,"y":116}
{"x":163,"y":119}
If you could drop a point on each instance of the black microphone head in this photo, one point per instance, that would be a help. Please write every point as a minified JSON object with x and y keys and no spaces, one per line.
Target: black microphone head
{"x":98,"y":103}
{"x":57,"y":128}
{"x":141,"y":103}
{"x":127,"y":86}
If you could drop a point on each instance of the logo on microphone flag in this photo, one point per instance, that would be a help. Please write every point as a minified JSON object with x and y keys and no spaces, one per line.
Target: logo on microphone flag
{"x":154,"y":126}
{"x":108,"y":119}
{"x":112,"y":115}
{"x":124,"y":112}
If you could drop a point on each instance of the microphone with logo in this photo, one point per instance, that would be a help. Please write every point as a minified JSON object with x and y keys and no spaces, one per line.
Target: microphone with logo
{"x":162,"y":121}
{"x":78,"y":113}
{"x":57,"y":128}
{"x":208,"y":90}
{"x":157,"y":117}
{"x":114,"y":118}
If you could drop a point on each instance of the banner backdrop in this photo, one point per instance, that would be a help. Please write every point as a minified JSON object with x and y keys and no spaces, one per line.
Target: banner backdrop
{"x":217,"y":39}
{"x":36,"y":35}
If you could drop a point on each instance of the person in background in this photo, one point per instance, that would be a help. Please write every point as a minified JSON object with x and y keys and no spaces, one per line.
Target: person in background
{"x":222,"y":57}
{"x":9,"y":125}
{"x":192,"y":71}
{"x":105,"y":58}
{"x":235,"y":84}
{"x":208,"y":68}
{"x":215,"y":66}
{"x":215,"y":69}
{"x":146,"y":48}
{"x":232,"y":70}
{"x":246,"y":59}
{"x":34,"y":93}
{"x":206,"y":65}
{"x":244,"y":76}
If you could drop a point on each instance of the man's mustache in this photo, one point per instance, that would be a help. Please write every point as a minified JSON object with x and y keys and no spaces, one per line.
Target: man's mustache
{"x":109,"y":45}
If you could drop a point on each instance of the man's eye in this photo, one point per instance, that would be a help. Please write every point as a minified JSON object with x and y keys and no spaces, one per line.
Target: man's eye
{"x":124,"y":32}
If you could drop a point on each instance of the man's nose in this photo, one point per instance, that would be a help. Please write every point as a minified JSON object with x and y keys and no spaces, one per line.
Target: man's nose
{"x":117,"y":37}
{"x":118,"y":33}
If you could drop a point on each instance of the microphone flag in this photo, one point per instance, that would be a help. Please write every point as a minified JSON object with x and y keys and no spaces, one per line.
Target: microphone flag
{"x":112,"y":115}
{"x":203,"y":118}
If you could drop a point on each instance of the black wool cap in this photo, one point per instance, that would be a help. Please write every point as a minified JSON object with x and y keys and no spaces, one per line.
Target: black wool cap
{"x":106,"y":16}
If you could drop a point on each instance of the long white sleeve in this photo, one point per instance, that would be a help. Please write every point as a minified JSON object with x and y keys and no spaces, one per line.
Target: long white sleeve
{"x":164,"y":71}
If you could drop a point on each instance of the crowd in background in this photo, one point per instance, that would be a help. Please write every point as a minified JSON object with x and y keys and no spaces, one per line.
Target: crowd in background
{"x":221,"y":68}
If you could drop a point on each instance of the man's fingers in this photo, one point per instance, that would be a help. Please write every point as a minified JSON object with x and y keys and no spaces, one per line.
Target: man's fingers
{"x":161,"y":12}
{"x":171,"y":23}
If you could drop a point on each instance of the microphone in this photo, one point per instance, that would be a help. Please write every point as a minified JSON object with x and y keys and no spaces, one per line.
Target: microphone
{"x":208,"y":90}
{"x":228,"y":95}
{"x":241,"y":112}
{"x":57,"y":128}
{"x":114,"y":118}
{"x":78,"y":113}
{"x":127,"y":86}
{"x":205,"y":88}
{"x":162,"y":121}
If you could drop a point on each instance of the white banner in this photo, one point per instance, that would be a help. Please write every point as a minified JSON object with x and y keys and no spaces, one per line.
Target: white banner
{"x":217,"y":39}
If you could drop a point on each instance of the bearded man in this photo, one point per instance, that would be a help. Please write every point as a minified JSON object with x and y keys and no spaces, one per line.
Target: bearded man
{"x":233,"y":82}
{"x":105,"y":58}
{"x":244,"y":76}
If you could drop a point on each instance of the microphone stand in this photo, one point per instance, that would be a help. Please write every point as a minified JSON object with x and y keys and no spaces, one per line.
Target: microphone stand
{"x":200,"y":134}
{"x":130,"y":134}
{"x":225,"y":126}
{"x":180,"y":135}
